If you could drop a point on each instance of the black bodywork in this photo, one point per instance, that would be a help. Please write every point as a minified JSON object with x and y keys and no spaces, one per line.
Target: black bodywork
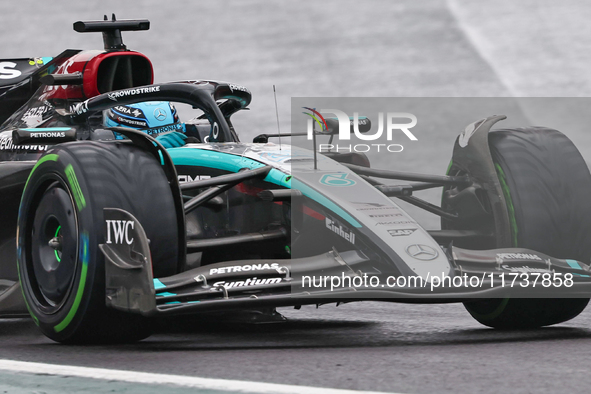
{"x":71,"y":115}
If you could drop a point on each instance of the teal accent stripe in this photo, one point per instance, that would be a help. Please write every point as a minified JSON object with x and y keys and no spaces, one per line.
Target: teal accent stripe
{"x":279,"y":178}
{"x":224,"y":161}
{"x":49,"y":129}
{"x":208,"y":158}
{"x":166,"y":294}
{"x":158,"y":285}
{"x":321,"y":199}
{"x":234,"y":163}
{"x":172,"y":302}
{"x":575,"y":264}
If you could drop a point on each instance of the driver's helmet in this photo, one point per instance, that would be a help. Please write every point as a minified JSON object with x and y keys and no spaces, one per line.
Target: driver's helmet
{"x":151,"y":117}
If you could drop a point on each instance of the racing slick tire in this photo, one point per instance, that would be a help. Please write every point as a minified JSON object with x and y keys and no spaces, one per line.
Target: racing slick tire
{"x":547,"y":185}
{"x":60,"y":225}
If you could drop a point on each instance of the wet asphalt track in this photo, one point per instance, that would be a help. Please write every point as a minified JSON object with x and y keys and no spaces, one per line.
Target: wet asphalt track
{"x":365,"y":346}
{"x":341,"y":48}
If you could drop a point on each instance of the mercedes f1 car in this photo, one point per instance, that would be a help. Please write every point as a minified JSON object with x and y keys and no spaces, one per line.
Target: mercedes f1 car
{"x":100,"y":233}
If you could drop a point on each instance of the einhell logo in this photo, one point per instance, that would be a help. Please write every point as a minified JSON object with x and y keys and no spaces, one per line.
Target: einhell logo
{"x":396,"y":123}
{"x":340,"y":230}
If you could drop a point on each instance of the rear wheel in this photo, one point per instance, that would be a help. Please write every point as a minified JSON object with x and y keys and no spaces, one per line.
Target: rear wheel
{"x":61,"y":224}
{"x":547,"y":185}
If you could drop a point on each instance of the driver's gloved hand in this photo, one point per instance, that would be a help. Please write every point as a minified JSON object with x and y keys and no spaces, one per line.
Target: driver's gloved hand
{"x":172,"y":140}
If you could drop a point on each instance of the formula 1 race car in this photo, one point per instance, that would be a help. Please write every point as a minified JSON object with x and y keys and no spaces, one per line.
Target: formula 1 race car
{"x":112,"y":230}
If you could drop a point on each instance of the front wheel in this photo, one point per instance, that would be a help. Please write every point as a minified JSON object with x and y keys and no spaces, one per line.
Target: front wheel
{"x":546,"y":184}
{"x":61,"y":224}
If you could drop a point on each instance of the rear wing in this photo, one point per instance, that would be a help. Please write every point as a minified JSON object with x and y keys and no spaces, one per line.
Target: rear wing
{"x":20,"y":78}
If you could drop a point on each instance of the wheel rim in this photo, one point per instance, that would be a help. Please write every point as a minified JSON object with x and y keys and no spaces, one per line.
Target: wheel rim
{"x":54,"y":249}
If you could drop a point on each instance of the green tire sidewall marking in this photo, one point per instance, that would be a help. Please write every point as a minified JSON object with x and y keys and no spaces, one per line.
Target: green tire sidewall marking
{"x":451,"y":163}
{"x":76,"y":190}
{"x":514,"y":230}
{"x":84,"y":244}
{"x":509,"y":201}
{"x":83,"y":256}
{"x":55,"y":251}
{"x":50,"y":157}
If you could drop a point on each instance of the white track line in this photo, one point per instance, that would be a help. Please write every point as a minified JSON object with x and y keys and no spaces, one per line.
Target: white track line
{"x":239,"y":386}
{"x":481,"y":46}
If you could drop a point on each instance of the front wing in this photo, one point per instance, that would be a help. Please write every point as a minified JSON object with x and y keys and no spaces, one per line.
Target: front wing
{"x":251,"y":284}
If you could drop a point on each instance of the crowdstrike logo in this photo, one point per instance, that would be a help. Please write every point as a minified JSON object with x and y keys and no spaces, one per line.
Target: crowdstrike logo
{"x":391,"y":124}
{"x":131,"y":122}
{"x":131,"y":92}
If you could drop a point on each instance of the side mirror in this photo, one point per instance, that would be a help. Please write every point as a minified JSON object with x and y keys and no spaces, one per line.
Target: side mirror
{"x":38,"y":136}
{"x":333,"y":125}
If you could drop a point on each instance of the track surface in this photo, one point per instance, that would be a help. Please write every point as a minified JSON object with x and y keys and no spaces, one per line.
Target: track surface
{"x":366,"y":346}
{"x":353,"y":49}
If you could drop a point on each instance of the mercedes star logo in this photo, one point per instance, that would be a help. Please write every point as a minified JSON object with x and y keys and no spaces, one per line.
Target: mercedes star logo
{"x":421,"y":252}
{"x":159,"y":114}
